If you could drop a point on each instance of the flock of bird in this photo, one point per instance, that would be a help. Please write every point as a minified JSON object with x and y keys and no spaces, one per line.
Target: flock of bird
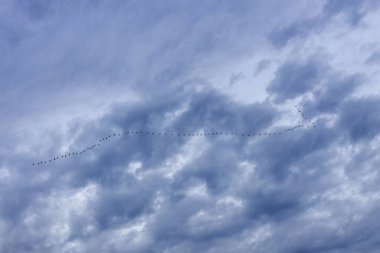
{"x":305,"y":122}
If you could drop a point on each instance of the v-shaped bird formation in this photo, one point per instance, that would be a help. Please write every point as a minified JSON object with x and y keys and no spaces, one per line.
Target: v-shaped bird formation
{"x":305,"y":122}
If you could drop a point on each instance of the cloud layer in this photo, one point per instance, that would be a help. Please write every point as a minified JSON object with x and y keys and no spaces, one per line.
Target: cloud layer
{"x":74,"y":72}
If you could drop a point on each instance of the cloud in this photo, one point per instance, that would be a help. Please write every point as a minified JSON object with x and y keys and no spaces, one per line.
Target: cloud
{"x":293,"y":79}
{"x":75,"y":73}
{"x":360,"y":118}
{"x":330,"y":96}
{"x":352,"y":11}
{"x":374,"y":58}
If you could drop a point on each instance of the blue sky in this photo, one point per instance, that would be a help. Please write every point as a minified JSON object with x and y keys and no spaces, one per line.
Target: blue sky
{"x":72,"y":72}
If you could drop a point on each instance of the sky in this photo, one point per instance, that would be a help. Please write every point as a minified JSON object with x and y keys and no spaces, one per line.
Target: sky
{"x":75,"y":72}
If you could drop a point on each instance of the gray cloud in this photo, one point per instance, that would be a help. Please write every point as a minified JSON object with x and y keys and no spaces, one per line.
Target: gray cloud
{"x":374,"y":58}
{"x":293,"y":79}
{"x":361,"y":117}
{"x":353,"y":12}
{"x":74,"y":73}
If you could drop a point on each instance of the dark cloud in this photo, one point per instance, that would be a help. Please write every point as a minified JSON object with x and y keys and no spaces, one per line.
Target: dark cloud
{"x":374,"y":58}
{"x":262,"y":65}
{"x":272,"y":204}
{"x":294,"y":78}
{"x":277,"y":155}
{"x":352,"y":10}
{"x":281,"y":36}
{"x":330,"y":95}
{"x":361,"y":118}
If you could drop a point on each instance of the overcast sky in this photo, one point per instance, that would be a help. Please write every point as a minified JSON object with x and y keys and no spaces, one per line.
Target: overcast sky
{"x":74,"y":72}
